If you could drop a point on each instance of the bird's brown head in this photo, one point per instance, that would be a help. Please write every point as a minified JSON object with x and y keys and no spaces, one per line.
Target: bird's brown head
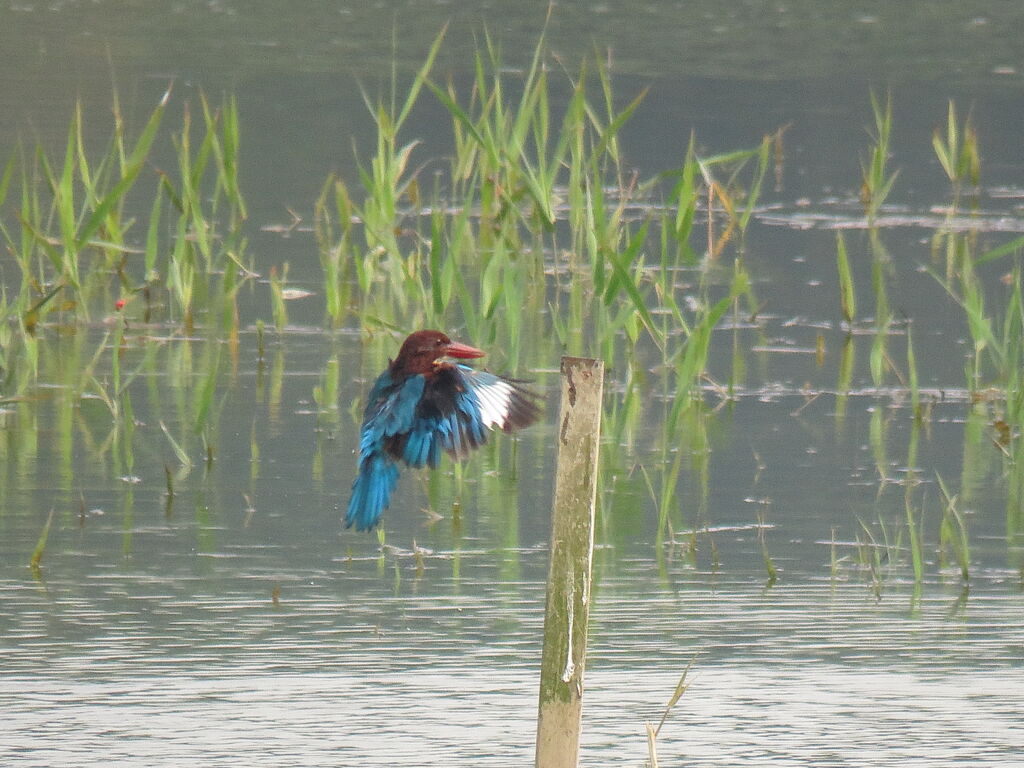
{"x":422,"y":349}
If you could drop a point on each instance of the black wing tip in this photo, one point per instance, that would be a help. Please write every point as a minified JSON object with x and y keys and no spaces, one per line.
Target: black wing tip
{"x":525,"y":407}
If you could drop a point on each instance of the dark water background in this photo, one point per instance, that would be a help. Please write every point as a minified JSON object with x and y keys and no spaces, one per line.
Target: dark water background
{"x":242,"y":625}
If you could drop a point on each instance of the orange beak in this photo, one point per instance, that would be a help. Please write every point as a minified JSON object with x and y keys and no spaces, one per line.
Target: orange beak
{"x":454,"y":349}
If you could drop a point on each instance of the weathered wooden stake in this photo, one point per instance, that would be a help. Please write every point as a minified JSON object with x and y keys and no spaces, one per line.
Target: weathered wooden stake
{"x":572,"y":548}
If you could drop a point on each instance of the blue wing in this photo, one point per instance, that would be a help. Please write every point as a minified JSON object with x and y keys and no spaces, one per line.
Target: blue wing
{"x":390,"y":411}
{"x":457,"y":407}
{"x":446,"y":418}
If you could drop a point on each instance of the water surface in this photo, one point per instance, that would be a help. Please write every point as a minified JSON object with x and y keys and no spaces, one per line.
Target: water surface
{"x":236,"y":621}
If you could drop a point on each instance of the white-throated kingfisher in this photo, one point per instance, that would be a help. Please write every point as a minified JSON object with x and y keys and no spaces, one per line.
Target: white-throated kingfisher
{"x":422,"y":405}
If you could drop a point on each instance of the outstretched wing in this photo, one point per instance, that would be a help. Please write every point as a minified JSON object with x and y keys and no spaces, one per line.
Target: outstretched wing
{"x":457,"y":406}
{"x":503,"y":404}
{"x":390,"y":410}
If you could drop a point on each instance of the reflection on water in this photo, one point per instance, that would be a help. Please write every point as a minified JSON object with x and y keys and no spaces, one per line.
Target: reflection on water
{"x":795,"y":714}
{"x":240,"y":622}
{"x":340,"y":673}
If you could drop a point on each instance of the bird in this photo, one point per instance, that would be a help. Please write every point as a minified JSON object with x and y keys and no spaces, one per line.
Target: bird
{"x":423,"y":405}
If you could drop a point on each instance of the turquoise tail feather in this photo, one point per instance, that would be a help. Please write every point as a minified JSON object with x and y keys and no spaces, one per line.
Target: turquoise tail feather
{"x":371,"y":491}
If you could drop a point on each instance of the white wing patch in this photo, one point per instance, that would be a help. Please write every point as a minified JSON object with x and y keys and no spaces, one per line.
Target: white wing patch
{"x":495,"y":402}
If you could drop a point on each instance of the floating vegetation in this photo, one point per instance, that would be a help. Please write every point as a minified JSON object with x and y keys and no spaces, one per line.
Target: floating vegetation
{"x":123,"y":271}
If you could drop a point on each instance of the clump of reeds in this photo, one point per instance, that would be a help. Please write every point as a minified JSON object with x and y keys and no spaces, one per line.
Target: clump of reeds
{"x":876,"y":179}
{"x":537,"y":238}
{"x":537,"y":229}
{"x":74,"y":240}
{"x":957,"y":150}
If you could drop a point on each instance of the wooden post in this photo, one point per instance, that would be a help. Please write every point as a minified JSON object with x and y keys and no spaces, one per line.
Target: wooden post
{"x":572,"y":547}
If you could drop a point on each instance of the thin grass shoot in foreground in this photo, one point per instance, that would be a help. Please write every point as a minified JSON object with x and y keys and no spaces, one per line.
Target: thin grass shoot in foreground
{"x":37,"y":553}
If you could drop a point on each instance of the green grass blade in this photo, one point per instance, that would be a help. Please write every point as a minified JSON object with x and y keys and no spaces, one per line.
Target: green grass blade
{"x":621,"y":278}
{"x":847,"y":291}
{"x":183,"y":458}
{"x":420,"y":79}
{"x":1005,"y":249}
{"x":5,"y":180}
{"x":915,"y":394}
{"x":37,"y":553}
{"x":464,"y":119}
{"x":99,"y":214}
{"x":609,"y":134}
